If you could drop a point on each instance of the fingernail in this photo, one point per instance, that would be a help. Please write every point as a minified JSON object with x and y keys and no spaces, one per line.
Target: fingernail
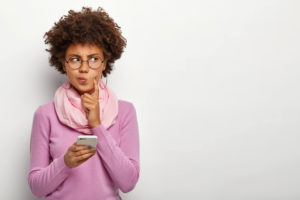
{"x":89,"y":147}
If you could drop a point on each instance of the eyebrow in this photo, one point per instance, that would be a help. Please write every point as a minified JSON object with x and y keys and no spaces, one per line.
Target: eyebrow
{"x":94,"y":54}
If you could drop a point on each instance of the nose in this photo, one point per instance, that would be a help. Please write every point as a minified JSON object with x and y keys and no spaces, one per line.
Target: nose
{"x":84,"y":67}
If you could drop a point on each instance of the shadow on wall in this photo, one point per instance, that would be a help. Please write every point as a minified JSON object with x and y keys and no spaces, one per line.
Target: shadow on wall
{"x":53,"y":79}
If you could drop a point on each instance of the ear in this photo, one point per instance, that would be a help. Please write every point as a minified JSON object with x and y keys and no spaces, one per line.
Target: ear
{"x":104,"y":65}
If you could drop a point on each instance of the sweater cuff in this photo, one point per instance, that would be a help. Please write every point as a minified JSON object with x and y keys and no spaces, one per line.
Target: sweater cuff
{"x":103,"y":134}
{"x":98,"y":130}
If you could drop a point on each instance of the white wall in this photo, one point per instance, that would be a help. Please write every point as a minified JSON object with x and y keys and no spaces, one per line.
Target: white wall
{"x":215,"y":85}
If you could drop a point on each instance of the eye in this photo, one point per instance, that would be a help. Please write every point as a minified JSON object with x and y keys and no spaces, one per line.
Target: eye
{"x":94,"y":59}
{"x":74,"y":60}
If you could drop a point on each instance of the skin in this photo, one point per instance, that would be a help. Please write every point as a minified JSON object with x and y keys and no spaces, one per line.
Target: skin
{"x":89,"y":92}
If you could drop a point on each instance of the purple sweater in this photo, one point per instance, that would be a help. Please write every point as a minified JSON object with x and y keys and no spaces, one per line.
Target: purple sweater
{"x":115,"y":165}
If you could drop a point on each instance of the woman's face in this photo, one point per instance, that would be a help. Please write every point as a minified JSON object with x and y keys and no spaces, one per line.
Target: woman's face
{"x":83,"y":52}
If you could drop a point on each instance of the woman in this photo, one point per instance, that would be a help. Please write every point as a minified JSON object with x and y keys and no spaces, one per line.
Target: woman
{"x":84,"y":46}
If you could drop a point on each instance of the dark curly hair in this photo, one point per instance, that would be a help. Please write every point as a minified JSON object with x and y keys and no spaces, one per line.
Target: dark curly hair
{"x":87,"y":26}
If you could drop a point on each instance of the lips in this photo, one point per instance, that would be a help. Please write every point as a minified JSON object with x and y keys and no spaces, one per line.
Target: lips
{"x":82,"y":80}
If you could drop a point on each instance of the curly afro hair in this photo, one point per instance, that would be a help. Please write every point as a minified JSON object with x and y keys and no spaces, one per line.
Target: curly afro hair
{"x":87,"y":26}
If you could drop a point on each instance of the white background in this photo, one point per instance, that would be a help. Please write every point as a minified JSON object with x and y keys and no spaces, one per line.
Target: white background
{"x":215,"y":85}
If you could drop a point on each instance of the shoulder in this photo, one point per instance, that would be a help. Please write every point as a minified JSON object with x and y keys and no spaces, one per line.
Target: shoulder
{"x":125,"y":106}
{"x":127,"y":116}
{"x":126,"y":109}
{"x":44,"y":110}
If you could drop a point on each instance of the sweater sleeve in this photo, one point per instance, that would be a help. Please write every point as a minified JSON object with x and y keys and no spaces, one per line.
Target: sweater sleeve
{"x":44,"y":175}
{"x":121,"y":162}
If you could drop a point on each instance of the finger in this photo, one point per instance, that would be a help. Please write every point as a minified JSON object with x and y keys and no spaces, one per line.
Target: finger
{"x":72,"y":147}
{"x":82,"y":152}
{"x":87,"y":95}
{"x":80,"y":148}
{"x":82,"y":161}
{"x":83,"y":104}
{"x":84,"y":156}
{"x":96,"y":87}
{"x":85,"y":159}
{"x":89,"y":106}
{"x":88,"y":98}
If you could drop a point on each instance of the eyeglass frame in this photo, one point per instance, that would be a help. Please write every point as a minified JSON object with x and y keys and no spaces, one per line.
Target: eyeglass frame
{"x":81,"y":61}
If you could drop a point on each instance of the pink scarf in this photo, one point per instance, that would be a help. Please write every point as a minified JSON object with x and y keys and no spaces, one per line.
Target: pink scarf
{"x":70,"y":110}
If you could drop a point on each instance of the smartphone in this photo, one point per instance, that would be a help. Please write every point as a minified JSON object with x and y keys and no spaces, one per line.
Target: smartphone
{"x":89,"y":140}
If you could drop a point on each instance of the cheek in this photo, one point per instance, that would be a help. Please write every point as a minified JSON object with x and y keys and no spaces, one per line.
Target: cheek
{"x":70,"y":74}
{"x":71,"y":77}
{"x":97,"y":74}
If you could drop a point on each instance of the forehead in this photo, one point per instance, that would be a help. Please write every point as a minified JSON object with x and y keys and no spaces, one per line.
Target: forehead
{"x":83,"y":49}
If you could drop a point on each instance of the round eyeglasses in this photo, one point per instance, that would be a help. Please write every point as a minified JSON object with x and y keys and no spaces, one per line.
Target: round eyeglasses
{"x":76,"y":62}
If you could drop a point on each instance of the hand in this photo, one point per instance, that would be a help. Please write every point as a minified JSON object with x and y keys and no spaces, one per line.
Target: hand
{"x":78,"y":154}
{"x":91,"y":106}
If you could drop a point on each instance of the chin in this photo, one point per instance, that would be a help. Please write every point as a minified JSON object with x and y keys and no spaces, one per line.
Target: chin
{"x":83,"y":89}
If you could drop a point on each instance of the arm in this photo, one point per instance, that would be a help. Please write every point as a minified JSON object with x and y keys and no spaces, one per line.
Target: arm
{"x":44,"y":177}
{"x":121,"y":162}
